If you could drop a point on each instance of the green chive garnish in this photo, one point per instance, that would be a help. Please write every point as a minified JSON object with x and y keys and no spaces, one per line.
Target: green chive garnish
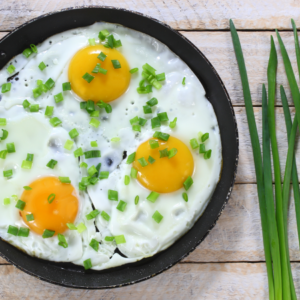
{"x":3,"y":154}
{"x":55,"y":121}
{"x":147,"y":109}
{"x":94,"y":244}
{"x":120,"y":239}
{"x":173,"y":152}
{"x":92,"y":154}
{"x":27,"y":52}
{"x":131,"y":158}
{"x":121,"y":205}
{"x":101,"y":56}
{"x":207,"y":154}
{"x":27,"y":188}
{"x":29,"y":217}
{"x":24,"y":232}
{"x":153,"y":144}
{"x":42,"y":66}
{"x":7,"y":173}
{"x":133,"y":173}
{"x":87,"y":264}
{"x":161,"y":135}
{"x":66,"y":86}
{"x":48,"y":234}
{"x":26,"y":104}
{"x":73,"y":133}
{"x":71,"y":226}
{"x":105,"y":216}
{"x":6,"y":87}
{"x":126,"y":180}
{"x":12,"y":230}
{"x":49,"y":83}
{"x":51,"y":164}
{"x":113,"y":195}
{"x":157,"y":217}
{"x":64,"y":179}
{"x":33,"y":48}
{"x":93,"y":214}
{"x":6,"y":201}
{"x":152,"y":102}
{"x":188,"y":183}
{"x":58,"y":98}
{"x":81,"y":227}
{"x":185,"y":197}
{"x":194,"y":143}
{"x":62,"y":240}
{"x":153,"y":196}
{"x":134,"y":70}
{"x":2,"y":122}
{"x":109,"y":238}
{"x":4,"y":135}
{"x":20,"y":205}
{"x":69,"y":145}
{"x":202,"y":148}
{"x":92,"y":42}
{"x":151,"y":159}
{"x":163,"y":153}
{"x":183,"y":81}
{"x":94,"y":122}
{"x":78,"y":152}
{"x":136,"y":200}
{"x":34,"y":107}
{"x":163,"y":117}
{"x":88,"y":77}
{"x":116,"y":64}
{"x":51,"y":198}
{"x":49,"y":111}
{"x":10,"y":69}
{"x":143,"y":162}
{"x":155,"y":122}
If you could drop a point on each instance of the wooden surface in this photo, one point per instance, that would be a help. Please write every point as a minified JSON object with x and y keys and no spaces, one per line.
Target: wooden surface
{"x":229,"y":263}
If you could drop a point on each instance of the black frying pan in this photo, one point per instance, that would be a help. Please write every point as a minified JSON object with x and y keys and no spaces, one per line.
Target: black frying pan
{"x":36,"y":31}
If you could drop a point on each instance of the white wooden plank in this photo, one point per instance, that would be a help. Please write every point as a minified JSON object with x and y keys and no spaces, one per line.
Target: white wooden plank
{"x":184,"y":14}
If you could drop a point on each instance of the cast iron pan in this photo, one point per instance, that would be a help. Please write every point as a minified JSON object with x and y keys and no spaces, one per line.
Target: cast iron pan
{"x":36,"y":31}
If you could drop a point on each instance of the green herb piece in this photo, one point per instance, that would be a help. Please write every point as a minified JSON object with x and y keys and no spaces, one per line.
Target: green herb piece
{"x":151,"y":159}
{"x":48,"y":234}
{"x":101,"y":56}
{"x":134,"y":120}
{"x":183,"y":81}
{"x":105,"y":216}
{"x":71,"y":226}
{"x":204,"y":137}
{"x":33,"y":48}
{"x":66,"y":86}
{"x":93,"y":214}
{"x":6,"y":201}
{"x":133,"y":173}
{"x":51,"y":164}
{"x":69,"y":145}
{"x":131,"y":158}
{"x":55,"y":121}
{"x":153,"y":197}
{"x":103,"y":34}
{"x":49,"y":84}
{"x":2,"y":122}
{"x":95,"y":114}
{"x":136,"y":128}
{"x":163,"y":117}
{"x":92,"y":170}
{"x":7,"y":173}
{"x":87,"y":264}
{"x":96,"y":69}
{"x":62,"y":241}
{"x":92,"y":154}
{"x":27,"y":52}
{"x":51,"y":198}
{"x":83,"y":164}
{"x":143,"y":162}
{"x":10,"y":69}
{"x":81,"y":227}
{"x":136,"y":200}
{"x":34,"y":107}
{"x":126,"y":180}
{"x":120,"y":239}
{"x":153,"y":144}
{"x":157,"y":217}
{"x":24,"y":232}
{"x":94,"y":244}
{"x":92,"y":42}
{"x":6,"y":87}
{"x":161,"y":135}
{"x":4,"y":135}
{"x":73,"y":133}
{"x":121,"y":205}
{"x":26,"y":164}
{"x":116,"y":64}
{"x":64,"y":179}
{"x":194,"y":144}
{"x":207,"y":154}
{"x":113,"y":195}
{"x":94,"y":144}
{"x":12,"y":230}
{"x":94,"y":122}
{"x":172,"y":153}
{"x":3,"y":154}
{"x":185,"y":197}
{"x":160,"y":77}
{"x":188,"y":183}
{"x":109,"y":238}
{"x":155,"y":122}
{"x":49,"y":111}
{"x":202,"y":148}
{"x":88,"y":77}
{"x":147,"y":109}
{"x":163,"y":153}
{"x":42,"y":66}
{"x":134,"y":70}
{"x":58,"y":98}
{"x":29,"y":217}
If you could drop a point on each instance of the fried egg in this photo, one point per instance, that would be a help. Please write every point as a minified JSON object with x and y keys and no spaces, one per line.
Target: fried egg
{"x":130,"y":192}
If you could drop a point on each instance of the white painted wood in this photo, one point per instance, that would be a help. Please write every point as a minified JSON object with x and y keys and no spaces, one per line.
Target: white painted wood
{"x":184,"y":14}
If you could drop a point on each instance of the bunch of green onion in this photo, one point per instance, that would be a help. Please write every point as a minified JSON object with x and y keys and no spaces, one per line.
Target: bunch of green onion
{"x":274,"y":208}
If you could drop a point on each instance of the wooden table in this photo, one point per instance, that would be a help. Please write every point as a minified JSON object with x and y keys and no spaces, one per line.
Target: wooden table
{"x":229,"y":264}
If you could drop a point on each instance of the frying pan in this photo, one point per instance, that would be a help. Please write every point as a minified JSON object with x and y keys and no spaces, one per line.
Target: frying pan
{"x":66,"y":274}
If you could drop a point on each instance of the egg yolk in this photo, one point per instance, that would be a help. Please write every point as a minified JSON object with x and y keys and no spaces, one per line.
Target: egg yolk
{"x":164,"y":175}
{"x":52,"y":216}
{"x":106,"y":87}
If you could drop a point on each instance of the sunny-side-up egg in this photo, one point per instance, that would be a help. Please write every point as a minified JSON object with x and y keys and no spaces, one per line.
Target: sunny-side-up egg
{"x":128,"y":123}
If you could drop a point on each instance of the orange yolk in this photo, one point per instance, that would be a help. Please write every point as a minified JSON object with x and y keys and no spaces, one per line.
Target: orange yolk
{"x":164,"y":175}
{"x":106,"y":87}
{"x":53,"y":216}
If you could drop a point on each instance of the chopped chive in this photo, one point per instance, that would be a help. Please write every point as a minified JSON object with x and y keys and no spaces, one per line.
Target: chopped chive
{"x":83,"y":105}
{"x":142,"y":122}
{"x":29,"y":217}
{"x":49,"y":111}
{"x":153,"y":144}
{"x":81,"y":227}
{"x":4,"y":135}
{"x":207,"y":154}
{"x":94,"y":122}
{"x":126,"y":180}
{"x":3,"y":154}
{"x":160,"y":77}
{"x":109,"y":238}
{"x":15,"y":197}
{"x":152,"y":102}
{"x":6,"y":87}
{"x":151,"y":159}
{"x":161,"y":135}
{"x":90,"y":106}
{"x":202,"y":148}
{"x":58,"y":98}
{"x":108,"y":108}
{"x":185,"y":197}
{"x":143,"y":162}
{"x":83,"y":164}
{"x":183,"y":81}
{"x":6,"y":201}
{"x":204,"y":137}
{"x":92,"y":170}
{"x":147,"y":109}
{"x":136,"y":200}
{"x":101,"y":56}
{"x":42,"y":66}
{"x":163,"y":117}
{"x":134,"y":120}
{"x":92,"y":42}
{"x":120,"y":239}
{"x":149,"y":69}
{"x":10,"y":147}
{"x":105,"y":216}
{"x":96,"y":69}
{"x":153,"y":197}
{"x":88,"y":77}
{"x":115,"y":139}
{"x":102,"y":71}
{"x":188,"y":183}
{"x":26,"y":164}
{"x":64,"y":179}
{"x":73,"y":133}
{"x":163,"y":153}
{"x":94,"y":144}
{"x":93,"y":214}
{"x":95,"y":113}
{"x":200,"y":135}
{"x":157,"y":217}
{"x":94,"y":244}
{"x":131,"y":158}
{"x":51,"y":198}
{"x":7,"y":173}
{"x":87,"y":264}
{"x":69,"y":145}
{"x":134,"y":70}
{"x":93,"y":180}
{"x":24,"y":232}
{"x":20,"y":205}
{"x":136,"y":128}
{"x":66,"y":86}
{"x":27,"y":52}
{"x":37,"y":92}
{"x":155,"y":122}
{"x":121,"y":205}
{"x":33,"y":48}
{"x":116,"y":64}
{"x":110,"y":41}
{"x":103,"y":34}
{"x":92,"y":154}
{"x":117,"y":43}
{"x":26,"y":104}
{"x":173,"y":152}
{"x":29,"y":157}
{"x":10,"y":69}
{"x":71,"y":226}
{"x":133,"y":173}
{"x":51,"y":164}
{"x":2,"y":122}
{"x":62,"y":240}
{"x":49,"y":83}
{"x":12,"y":230}
{"x":194,"y":144}
{"x":113,"y":195}
{"x":34,"y":107}
{"x":48,"y":234}
{"x":27,"y":188}
{"x":55,"y":121}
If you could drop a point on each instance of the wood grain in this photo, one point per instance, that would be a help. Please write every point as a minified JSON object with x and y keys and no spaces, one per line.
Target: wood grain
{"x":184,"y":14}
{"x":221,"y":281}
